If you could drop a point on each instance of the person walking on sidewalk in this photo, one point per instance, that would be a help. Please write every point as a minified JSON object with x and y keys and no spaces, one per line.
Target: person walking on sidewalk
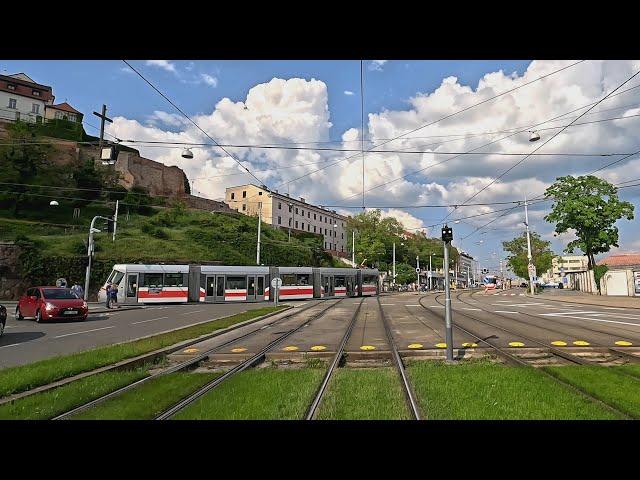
{"x":113,"y":293}
{"x":108,"y":296}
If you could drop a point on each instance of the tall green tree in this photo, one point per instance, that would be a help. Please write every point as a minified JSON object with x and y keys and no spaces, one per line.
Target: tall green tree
{"x":541,"y":254}
{"x":590,"y":206}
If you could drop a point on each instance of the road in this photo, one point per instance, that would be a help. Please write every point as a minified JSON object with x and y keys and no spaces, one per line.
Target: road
{"x":27,"y":341}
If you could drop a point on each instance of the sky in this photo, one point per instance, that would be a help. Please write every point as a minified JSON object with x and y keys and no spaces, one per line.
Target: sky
{"x":299,"y":102}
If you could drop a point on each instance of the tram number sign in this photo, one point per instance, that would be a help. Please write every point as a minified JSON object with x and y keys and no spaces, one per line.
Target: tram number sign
{"x":532,"y":269}
{"x":276,"y":282}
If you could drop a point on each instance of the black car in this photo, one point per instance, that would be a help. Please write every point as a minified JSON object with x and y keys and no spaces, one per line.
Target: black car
{"x":524,"y":285}
{"x":3,"y":319}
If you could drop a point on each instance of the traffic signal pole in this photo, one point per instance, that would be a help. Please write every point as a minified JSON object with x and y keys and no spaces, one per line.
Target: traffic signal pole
{"x":447,"y":237}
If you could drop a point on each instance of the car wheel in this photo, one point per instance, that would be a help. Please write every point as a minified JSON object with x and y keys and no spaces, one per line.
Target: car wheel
{"x":18,"y":315}
{"x":38,"y":317}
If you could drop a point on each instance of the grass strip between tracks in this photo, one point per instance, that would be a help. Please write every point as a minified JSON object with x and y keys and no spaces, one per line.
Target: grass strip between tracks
{"x":262,"y":394}
{"x":605,"y":384}
{"x":43,"y":372}
{"x":481,"y":390}
{"x":364,"y":394}
{"x":45,"y":405}
{"x":150,"y":399}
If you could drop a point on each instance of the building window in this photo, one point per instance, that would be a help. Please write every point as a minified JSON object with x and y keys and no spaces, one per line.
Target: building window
{"x":279,"y":206}
{"x":342,"y":248}
{"x":296,"y":210}
{"x":12,"y":103}
{"x":314,"y":229}
{"x":308,"y":214}
{"x":302,"y":212}
{"x":72,"y":117}
{"x":289,"y":222}
{"x":296,"y":224}
{"x":244,"y":207}
{"x":302,"y":225}
{"x":11,"y":86}
{"x":244,"y":194}
{"x":35,"y":108}
{"x":308,"y":227}
{"x":325,"y":231}
{"x":314,"y":216}
{"x":325,"y":245}
{"x":233,"y":195}
{"x":289,"y":208}
{"x":343,"y":235}
{"x":259,"y":193}
{"x":36,"y":93}
{"x":279,"y":221}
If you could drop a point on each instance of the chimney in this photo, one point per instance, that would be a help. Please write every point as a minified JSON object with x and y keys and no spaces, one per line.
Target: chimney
{"x":302,"y":200}
{"x":287,"y":194}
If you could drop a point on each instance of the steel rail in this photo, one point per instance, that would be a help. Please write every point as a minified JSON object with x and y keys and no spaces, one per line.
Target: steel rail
{"x":408,"y":390}
{"x":180,"y":366}
{"x":334,"y":364}
{"x":578,"y":359}
{"x":523,"y":363}
{"x":239,"y":368}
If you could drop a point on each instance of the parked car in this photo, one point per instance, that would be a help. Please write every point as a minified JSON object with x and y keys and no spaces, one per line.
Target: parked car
{"x":3,"y":319}
{"x":524,"y":284}
{"x":51,"y":303}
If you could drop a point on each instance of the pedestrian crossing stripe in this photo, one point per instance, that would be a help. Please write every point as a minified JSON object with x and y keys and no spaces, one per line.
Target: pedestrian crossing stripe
{"x":581,"y":343}
{"x":318,"y":348}
{"x":516,"y":344}
{"x":441,"y":345}
{"x":290,"y":348}
{"x":469,"y":345}
{"x":623,"y":343}
{"x":559,"y":343}
{"x":367,"y":347}
{"x":414,"y":346}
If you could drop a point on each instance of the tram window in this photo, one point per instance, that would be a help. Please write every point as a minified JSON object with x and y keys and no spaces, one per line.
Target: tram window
{"x":173,"y":280}
{"x":288,"y":279}
{"x":260,"y":286}
{"x":152,"y":280}
{"x":117,"y":277}
{"x":340,"y":281}
{"x":303,"y":279}
{"x":236,"y":283}
{"x":369,"y":279}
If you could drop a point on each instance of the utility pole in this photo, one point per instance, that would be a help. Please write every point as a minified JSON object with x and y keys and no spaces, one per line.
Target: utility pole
{"x":529,"y":256}
{"x":394,"y":264}
{"x":92,"y":230}
{"x":447,"y":237}
{"x":430,"y":273}
{"x":103,"y":117}
{"x":418,"y":271}
{"x":353,"y":248}
{"x":259,"y":224}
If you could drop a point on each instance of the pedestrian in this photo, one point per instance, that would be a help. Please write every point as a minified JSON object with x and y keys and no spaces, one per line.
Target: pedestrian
{"x":113,"y":293}
{"x":108,"y":295}
{"x":78,"y":290}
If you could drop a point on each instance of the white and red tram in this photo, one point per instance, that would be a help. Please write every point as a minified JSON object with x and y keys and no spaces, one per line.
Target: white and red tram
{"x":218,"y":283}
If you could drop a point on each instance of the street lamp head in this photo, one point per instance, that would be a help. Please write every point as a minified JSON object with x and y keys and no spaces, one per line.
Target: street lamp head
{"x":534,"y":136}
{"x":53,"y":203}
{"x":186,"y":153}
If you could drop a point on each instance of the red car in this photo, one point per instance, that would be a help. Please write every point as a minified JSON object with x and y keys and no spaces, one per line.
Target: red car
{"x":51,"y":303}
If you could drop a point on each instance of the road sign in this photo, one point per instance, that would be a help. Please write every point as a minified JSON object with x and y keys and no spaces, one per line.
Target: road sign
{"x":417,"y":270}
{"x":430,"y":274}
{"x":61,"y":282}
{"x":276,"y":282}
{"x":532,"y":269}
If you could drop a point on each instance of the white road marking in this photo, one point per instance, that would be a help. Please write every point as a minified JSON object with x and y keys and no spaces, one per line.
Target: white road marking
{"x":523,"y":304}
{"x":151,"y":320}
{"x":194,"y":311}
{"x":521,"y":294}
{"x":85,"y":331}
{"x":477,"y":309}
{"x":614,"y":308}
{"x":11,"y":345}
{"x":387,"y":304}
{"x":436,"y":306}
{"x":413,"y":305}
{"x":592,"y":319}
{"x":504,"y":311}
{"x":513,"y":294}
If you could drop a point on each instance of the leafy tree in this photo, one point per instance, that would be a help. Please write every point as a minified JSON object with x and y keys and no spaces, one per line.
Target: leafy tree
{"x":542,"y":255}
{"x":590,"y":206}
{"x":405,"y":274}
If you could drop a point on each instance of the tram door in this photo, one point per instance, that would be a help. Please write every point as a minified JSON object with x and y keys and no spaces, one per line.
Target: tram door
{"x":255,"y":288}
{"x":219,"y":293}
{"x":329,"y":285}
{"x":210,"y":288}
{"x":351,"y":290}
{"x":132,"y":288}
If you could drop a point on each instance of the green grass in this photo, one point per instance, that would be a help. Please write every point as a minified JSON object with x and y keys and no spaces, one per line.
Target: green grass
{"x":630,"y":368}
{"x":479,"y":390}
{"x":148,"y":400}
{"x":45,"y":405}
{"x":265,"y":394}
{"x":364,"y":394}
{"x":25,"y":377}
{"x":605,"y":384}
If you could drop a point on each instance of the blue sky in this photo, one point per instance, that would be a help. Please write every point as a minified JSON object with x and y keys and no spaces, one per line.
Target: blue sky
{"x":87,"y":84}
{"x":400,"y":95}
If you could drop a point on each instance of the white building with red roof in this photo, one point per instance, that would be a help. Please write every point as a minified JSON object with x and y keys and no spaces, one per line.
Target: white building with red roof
{"x":622,"y":276}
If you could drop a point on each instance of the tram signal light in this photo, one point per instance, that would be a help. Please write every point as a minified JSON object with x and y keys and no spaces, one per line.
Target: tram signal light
{"x":447,"y":234}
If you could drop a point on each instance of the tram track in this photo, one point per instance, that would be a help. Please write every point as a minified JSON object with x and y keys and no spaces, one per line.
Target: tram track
{"x":515,"y":360}
{"x":195,"y":360}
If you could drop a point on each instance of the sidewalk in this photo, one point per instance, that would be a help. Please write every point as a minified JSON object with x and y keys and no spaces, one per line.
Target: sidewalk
{"x":94,"y":307}
{"x":587,"y":299}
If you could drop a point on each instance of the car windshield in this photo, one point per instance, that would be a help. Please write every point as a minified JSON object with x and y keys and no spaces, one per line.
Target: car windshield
{"x":59,"y":294}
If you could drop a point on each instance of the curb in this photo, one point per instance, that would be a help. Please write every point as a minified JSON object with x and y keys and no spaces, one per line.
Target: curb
{"x":582,"y":303}
{"x":145,"y":357}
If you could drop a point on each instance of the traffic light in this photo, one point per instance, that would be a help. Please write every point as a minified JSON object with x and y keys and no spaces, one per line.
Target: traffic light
{"x":110,"y":223}
{"x":447,"y":234}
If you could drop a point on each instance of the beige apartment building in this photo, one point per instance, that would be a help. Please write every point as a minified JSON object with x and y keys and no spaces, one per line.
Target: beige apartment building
{"x":286,"y":212}
{"x":566,"y":264}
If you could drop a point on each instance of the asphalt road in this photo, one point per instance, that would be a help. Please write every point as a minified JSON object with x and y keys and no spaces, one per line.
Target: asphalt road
{"x":27,"y":341}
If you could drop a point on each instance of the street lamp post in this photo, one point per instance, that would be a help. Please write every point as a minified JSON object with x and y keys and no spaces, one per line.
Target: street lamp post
{"x":92,"y":230}
{"x":353,"y":248}
{"x":529,"y":256}
{"x":447,"y":237}
{"x":259,"y":224}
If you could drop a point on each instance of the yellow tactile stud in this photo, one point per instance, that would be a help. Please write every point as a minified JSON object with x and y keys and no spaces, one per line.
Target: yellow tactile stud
{"x":559,"y":343}
{"x":238,"y":350}
{"x":367,"y":347}
{"x":318,"y":348}
{"x":290,"y":348}
{"x":581,"y":343}
{"x":469,"y":345}
{"x":623,"y":343}
{"x":441,"y":345}
{"x":516,"y":344}
{"x":191,"y":350}
{"x":413,"y":346}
